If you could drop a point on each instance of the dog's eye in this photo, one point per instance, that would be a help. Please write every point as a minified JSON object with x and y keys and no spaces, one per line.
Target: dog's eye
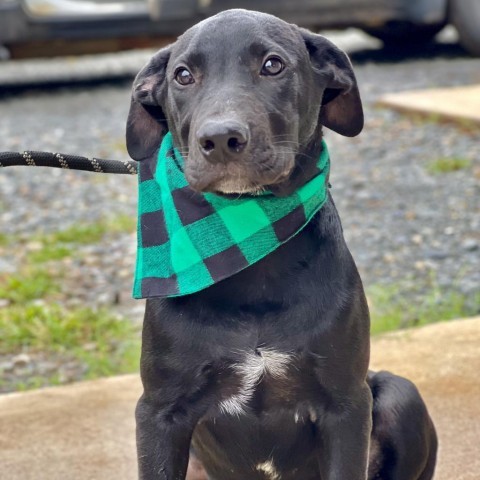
{"x":272,"y":66}
{"x":184,"y":77}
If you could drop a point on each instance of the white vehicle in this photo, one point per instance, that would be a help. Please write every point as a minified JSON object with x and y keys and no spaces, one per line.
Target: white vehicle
{"x":395,"y":22}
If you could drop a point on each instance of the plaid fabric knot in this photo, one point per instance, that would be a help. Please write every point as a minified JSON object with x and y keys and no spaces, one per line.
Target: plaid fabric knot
{"x":187,"y":241}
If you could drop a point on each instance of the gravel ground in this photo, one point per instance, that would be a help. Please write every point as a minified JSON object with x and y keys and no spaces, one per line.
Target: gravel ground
{"x":403,"y":224}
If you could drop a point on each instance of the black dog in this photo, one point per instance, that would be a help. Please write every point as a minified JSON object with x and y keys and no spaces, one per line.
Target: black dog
{"x":264,"y":375}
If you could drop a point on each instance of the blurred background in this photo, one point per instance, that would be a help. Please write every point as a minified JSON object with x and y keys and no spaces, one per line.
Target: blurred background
{"x":51,"y":27}
{"x":407,"y":188}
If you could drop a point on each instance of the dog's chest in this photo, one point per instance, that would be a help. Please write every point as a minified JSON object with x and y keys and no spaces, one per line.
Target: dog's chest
{"x":266,"y":399}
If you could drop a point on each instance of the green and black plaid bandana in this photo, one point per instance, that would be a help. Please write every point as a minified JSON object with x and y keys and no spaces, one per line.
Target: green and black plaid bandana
{"x":188,"y":241}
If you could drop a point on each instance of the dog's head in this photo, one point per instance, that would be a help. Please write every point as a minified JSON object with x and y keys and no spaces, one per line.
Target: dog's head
{"x":244,"y":95}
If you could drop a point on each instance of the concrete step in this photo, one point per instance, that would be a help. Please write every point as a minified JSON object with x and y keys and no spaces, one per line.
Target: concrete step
{"x":457,"y":104}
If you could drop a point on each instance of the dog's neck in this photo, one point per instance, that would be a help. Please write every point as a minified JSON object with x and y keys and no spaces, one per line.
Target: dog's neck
{"x":261,"y":288}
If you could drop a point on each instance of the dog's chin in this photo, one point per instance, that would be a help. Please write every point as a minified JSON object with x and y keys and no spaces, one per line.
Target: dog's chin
{"x":230,"y":187}
{"x":240,"y":186}
{"x":238,"y":178}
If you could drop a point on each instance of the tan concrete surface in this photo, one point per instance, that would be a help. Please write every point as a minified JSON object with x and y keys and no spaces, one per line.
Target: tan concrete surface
{"x":458,"y":104}
{"x":86,"y":431}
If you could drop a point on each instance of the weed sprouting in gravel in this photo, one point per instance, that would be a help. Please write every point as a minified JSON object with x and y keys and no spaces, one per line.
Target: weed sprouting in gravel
{"x":50,"y":252}
{"x":30,"y":284}
{"x":61,"y":244}
{"x":4,"y":240}
{"x":89,"y":233}
{"x":448,"y":164}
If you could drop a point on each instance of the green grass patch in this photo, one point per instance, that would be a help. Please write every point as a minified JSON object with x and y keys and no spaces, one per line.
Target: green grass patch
{"x":57,"y":245}
{"x":60,"y":244}
{"x":5,"y":240}
{"x":84,"y":234}
{"x":36,"y":381}
{"x":32,"y":283}
{"x":33,"y":382}
{"x":104,"y":342}
{"x":392,"y":307}
{"x":31,"y":321}
{"x":118,"y":145}
{"x":448,"y":164}
{"x":50,"y":252}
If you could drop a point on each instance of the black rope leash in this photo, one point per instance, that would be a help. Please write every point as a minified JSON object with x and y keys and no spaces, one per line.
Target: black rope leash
{"x":72,"y":162}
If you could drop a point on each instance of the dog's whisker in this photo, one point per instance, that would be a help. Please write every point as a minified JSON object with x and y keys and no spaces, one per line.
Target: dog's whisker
{"x":282,"y":136}
{"x":285,"y":142}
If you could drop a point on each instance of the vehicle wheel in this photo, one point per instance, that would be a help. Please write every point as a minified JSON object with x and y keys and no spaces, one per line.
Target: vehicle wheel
{"x":405,"y":34}
{"x":465,"y":16}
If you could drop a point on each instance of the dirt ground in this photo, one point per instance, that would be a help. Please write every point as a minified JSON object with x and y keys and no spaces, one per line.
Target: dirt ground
{"x":85,"y":431}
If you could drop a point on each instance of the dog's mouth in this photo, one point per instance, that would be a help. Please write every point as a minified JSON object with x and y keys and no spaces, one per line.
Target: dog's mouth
{"x":245,"y":186}
{"x":233,"y":189}
{"x":237,"y":179}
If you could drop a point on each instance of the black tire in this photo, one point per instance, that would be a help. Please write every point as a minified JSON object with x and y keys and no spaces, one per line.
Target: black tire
{"x":405,"y":34}
{"x":465,"y":16}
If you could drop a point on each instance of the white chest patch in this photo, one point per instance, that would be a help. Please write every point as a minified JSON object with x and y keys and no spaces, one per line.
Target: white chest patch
{"x":251,"y":371}
{"x":268,"y":468}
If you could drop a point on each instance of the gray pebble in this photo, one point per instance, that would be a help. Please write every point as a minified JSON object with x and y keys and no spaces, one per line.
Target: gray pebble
{"x":470,"y":245}
{"x":21,"y":360}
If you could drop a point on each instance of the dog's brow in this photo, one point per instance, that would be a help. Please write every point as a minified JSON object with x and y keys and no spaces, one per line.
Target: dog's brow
{"x":191,"y":58}
{"x":261,"y":48}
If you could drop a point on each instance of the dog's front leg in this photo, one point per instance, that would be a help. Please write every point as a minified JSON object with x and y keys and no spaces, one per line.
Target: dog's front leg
{"x":163,"y":441}
{"x":345,"y":437}
{"x":177,"y":392}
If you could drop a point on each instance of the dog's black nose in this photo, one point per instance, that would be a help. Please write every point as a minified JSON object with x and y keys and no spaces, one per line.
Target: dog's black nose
{"x":221,"y":140}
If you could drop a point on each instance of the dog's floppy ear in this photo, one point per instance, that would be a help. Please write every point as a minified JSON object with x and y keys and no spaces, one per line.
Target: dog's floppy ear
{"x":341,"y":109}
{"x":146,"y":123}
